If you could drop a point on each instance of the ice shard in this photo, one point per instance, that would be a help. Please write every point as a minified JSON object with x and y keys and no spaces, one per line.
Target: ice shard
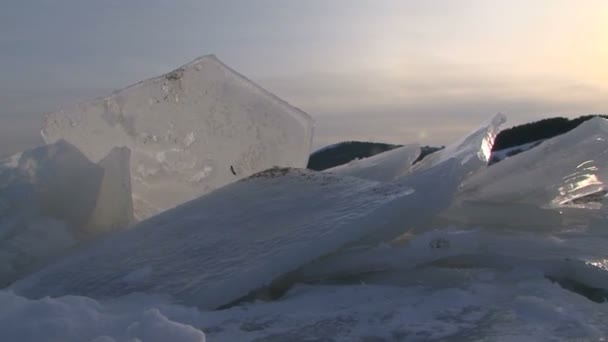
{"x":114,"y":206}
{"x":386,"y":166}
{"x":190,"y":131}
{"x":219,"y":247}
{"x":473,"y":150}
{"x":556,"y":172}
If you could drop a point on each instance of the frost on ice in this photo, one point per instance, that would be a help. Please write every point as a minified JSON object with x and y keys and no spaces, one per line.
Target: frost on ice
{"x":190,"y":131}
{"x":386,"y":166}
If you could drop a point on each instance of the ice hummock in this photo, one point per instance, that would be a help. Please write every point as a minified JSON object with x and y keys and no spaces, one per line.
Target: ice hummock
{"x":385,"y":166}
{"x":435,"y":284}
{"x":285,"y":219}
{"x":550,"y":175}
{"x":190,"y":131}
{"x":216,"y":249}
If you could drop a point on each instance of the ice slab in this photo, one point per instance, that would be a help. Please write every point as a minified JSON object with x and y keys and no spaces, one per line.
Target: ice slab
{"x":190,"y":131}
{"x":114,"y":206}
{"x":216,"y":249}
{"x":386,"y":166}
{"x":473,"y":150}
{"x":552,"y":174}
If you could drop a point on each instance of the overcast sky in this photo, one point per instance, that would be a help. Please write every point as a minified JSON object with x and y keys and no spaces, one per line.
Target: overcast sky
{"x":396,"y":71}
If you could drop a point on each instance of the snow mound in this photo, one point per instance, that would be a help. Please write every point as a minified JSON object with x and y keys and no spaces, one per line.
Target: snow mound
{"x":386,"y":166}
{"x":190,"y":131}
{"x":550,"y":175}
{"x":426,"y":304}
{"x":82,"y":319}
{"x":216,"y":249}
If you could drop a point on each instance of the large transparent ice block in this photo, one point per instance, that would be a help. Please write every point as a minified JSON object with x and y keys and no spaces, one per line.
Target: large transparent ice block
{"x":190,"y":131}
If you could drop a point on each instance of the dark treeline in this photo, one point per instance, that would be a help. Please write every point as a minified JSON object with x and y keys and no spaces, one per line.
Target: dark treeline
{"x":538,"y":130}
{"x":345,"y":152}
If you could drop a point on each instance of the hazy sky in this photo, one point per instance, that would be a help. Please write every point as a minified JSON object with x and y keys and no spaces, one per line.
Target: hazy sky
{"x":398,"y":71}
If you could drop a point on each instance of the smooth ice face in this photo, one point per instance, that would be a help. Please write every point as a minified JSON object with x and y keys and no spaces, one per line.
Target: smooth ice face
{"x":473,"y":150}
{"x":114,"y":206}
{"x":216,"y":249}
{"x":552,"y":174}
{"x":190,"y":131}
{"x":384,"y":167}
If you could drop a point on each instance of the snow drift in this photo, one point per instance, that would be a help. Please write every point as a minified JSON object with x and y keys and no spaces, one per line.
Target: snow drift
{"x":190,"y":131}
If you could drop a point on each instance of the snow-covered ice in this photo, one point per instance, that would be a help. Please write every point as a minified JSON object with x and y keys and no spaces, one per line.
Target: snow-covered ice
{"x":75,"y":318}
{"x":428,"y":304}
{"x":190,"y":131}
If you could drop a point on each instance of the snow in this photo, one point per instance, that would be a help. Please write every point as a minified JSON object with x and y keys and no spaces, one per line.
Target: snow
{"x":202,"y":116}
{"x":82,"y":319}
{"x":386,"y":166}
{"x":559,"y":170}
{"x":30,"y":244}
{"x":430,"y":304}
